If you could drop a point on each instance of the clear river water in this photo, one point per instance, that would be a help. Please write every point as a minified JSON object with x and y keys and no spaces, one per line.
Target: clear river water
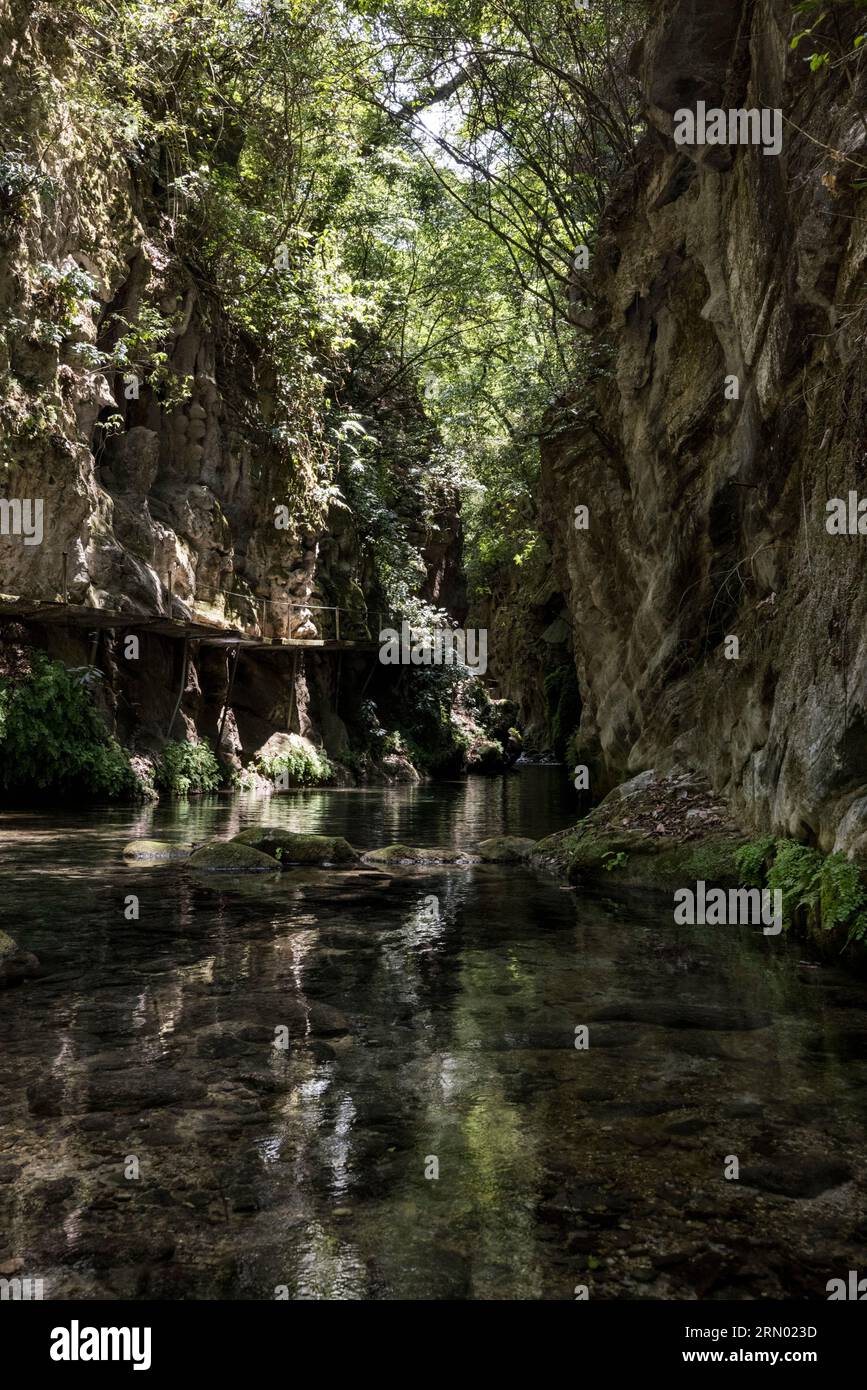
{"x":364,"y":1084}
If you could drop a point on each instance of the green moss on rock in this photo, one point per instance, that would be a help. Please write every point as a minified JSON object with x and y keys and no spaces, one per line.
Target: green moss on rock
{"x":225,"y":856}
{"x":407,"y":854}
{"x":288,"y":847}
{"x":635,"y":860}
{"x":155,"y":850}
{"x":562,"y":706}
{"x":505,"y":849}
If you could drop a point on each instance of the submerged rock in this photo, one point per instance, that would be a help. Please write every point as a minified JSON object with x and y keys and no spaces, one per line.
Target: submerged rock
{"x":225,"y":856}
{"x":154,"y":850}
{"x":505,"y":849}
{"x":288,"y":847}
{"x":406,"y":854}
{"x":15,"y":965}
{"x":807,"y":1177}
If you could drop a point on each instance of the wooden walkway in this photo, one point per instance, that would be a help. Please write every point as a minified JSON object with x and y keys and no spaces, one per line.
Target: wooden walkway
{"x":192,"y":629}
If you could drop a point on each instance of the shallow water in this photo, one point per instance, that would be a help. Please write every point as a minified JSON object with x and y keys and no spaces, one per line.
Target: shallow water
{"x":430,"y":1015}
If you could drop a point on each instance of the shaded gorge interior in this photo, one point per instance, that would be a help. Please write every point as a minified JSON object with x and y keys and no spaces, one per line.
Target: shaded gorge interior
{"x":432,"y":543}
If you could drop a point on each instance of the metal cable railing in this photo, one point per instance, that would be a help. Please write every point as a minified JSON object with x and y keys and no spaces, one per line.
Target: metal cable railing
{"x":282,"y":618}
{"x":271,"y":619}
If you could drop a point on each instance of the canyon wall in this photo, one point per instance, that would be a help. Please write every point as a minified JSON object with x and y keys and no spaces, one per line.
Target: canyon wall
{"x":165,"y":502}
{"x":707,"y":515}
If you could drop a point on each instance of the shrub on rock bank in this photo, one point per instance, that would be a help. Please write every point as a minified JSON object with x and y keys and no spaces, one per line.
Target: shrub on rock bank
{"x":187,"y":767}
{"x":52,"y":738}
{"x":300,"y":765}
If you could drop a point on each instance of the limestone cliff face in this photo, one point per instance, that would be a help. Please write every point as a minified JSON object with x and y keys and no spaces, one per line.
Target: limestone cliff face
{"x":707,"y":515}
{"x":136,"y":488}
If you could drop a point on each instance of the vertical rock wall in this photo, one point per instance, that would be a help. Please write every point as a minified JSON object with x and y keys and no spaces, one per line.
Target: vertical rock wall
{"x":132,"y":489}
{"x":707,"y":515}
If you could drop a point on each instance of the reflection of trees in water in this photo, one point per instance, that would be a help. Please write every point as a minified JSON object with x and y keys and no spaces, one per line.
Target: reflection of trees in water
{"x":454,"y":1004}
{"x":461,"y":1020}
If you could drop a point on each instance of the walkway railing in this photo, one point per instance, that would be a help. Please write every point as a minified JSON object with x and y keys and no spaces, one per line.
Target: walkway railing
{"x":267,"y":619}
{"x":281,"y":619}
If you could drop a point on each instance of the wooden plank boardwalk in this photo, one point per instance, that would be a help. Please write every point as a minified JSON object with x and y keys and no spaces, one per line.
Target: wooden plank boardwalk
{"x":192,"y":628}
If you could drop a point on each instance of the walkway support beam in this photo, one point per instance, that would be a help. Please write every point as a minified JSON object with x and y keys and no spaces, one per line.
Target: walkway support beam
{"x":183,"y":685}
{"x":231,"y":686}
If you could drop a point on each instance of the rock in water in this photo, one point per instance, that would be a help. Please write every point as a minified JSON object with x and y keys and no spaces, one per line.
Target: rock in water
{"x":505,"y":849}
{"x":15,"y":965}
{"x":288,"y":847}
{"x":225,"y":856}
{"x":406,"y":854}
{"x":153,"y":851}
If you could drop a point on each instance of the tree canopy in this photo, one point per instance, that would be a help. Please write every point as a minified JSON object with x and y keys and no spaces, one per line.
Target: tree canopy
{"x":386,"y":201}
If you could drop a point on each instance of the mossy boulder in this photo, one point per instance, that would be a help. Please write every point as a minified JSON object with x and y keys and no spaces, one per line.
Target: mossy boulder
{"x":485,"y":756}
{"x":505,"y":849}
{"x":407,"y":854}
{"x":632,"y":859}
{"x":650,"y":832}
{"x":153,"y":851}
{"x":15,"y":965}
{"x":289,"y":847}
{"x":225,"y":856}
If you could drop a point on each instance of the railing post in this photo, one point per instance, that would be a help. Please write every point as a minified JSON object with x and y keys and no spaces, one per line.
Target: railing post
{"x":63,"y":587}
{"x":171,"y":587}
{"x":337,"y":623}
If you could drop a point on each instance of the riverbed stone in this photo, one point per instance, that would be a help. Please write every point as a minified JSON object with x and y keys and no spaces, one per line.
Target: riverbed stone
{"x":225,"y":856}
{"x":141,"y":1089}
{"x":15,"y":965}
{"x":407,"y":854}
{"x":809,"y":1177}
{"x":664,"y":1013}
{"x":290,"y":847}
{"x":505,"y":849}
{"x":157,"y":850}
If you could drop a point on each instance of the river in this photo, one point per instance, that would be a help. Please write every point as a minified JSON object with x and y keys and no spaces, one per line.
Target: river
{"x":325,"y":1084}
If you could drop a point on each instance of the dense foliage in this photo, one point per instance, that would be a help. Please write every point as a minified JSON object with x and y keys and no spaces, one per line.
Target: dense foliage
{"x":300,"y":766}
{"x":384,"y":201}
{"x":53,"y":740}
{"x":187,"y":767}
{"x":825,"y":890}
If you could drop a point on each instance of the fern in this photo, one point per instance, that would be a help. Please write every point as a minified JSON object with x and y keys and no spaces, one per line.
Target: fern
{"x":751,"y":861}
{"x":52,"y":737}
{"x":830,"y":889}
{"x":842,"y":896}
{"x":796,"y":872}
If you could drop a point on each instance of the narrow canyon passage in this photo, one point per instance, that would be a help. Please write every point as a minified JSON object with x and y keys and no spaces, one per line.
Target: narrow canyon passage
{"x":433,"y":679}
{"x":427,"y":1013}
